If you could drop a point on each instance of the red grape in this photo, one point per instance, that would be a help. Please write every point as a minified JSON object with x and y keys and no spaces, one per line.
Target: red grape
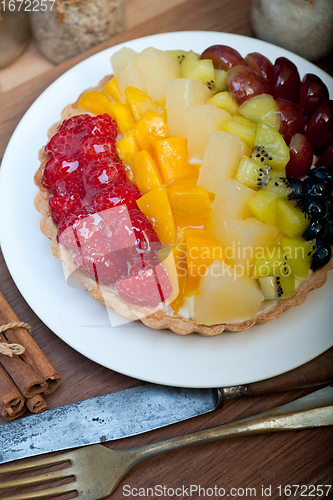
{"x":245,"y":83}
{"x":313,"y":93}
{"x":326,"y":158}
{"x":292,"y":119}
{"x":319,"y":131}
{"x":223,"y":57}
{"x":300,"y":157}
{"x":286,"y":81}
{"x":261,"y":65}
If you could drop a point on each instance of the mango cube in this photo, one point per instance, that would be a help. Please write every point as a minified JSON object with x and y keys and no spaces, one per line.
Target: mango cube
{"x":96,"y":102}
{"x":126,"y":148}
{"x":145,"y":171}
{"x":171,"y":156}
{"x":140,"y":103}
{"x":202,"y":249}
{"x":150,"y":125}
{"x":190,"y":205}
{"x":112,"y":89}
{"x":156,"y":207}
{"x":123,"y":115}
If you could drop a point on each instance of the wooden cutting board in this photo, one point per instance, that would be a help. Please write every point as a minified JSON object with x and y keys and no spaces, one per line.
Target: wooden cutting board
{"x":268,"y":462}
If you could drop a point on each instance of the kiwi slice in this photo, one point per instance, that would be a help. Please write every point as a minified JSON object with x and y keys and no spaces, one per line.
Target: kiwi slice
{"x":279,"y":185}
{"x":272,"y":262}
{"x":277,"y":287}
{"x":299,"y":253}
{"x":189,"y":61}
{"x":291,"y":218}
{"x":221,"y":83}
{"x":270,"y":147}
{"x":251,"y":173}
{"x":179,"y":55}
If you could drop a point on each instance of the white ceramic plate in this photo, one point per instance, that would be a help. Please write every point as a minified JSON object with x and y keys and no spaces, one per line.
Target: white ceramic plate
{"x":133,"y":349}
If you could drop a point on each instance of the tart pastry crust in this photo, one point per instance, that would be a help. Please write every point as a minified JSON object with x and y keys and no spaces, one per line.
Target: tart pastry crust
{"x":157,"y":320}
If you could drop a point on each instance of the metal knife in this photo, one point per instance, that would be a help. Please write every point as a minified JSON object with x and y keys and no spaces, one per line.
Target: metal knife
{"x":137,"y":410}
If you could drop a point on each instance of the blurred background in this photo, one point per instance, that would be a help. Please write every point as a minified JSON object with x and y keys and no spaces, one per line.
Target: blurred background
{"x":56,"y":30}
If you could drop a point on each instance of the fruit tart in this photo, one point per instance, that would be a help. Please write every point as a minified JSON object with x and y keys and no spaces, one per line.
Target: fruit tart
{"x":193,"y":192}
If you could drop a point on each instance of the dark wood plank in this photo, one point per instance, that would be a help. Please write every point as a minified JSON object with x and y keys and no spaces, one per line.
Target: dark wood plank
{"x":266,"y":461}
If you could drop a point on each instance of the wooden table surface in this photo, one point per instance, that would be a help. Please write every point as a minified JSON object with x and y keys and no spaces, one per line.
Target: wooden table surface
{"x":265,"y":461}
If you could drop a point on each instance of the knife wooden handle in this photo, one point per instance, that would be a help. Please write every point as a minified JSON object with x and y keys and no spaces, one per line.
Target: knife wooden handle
{"x":319,"y":371}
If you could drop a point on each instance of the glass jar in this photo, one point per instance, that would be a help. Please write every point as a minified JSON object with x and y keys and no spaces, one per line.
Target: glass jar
{"x":67,"y":28}
{"x":14,"y":32}
{"x":302,"y":26}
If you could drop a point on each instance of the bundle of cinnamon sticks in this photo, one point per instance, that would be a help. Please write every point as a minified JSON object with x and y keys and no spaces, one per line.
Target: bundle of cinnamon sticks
{"x":24,"y":378}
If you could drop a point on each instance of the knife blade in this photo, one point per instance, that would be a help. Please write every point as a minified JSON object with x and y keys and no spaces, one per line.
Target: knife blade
{"x":138,"y":410}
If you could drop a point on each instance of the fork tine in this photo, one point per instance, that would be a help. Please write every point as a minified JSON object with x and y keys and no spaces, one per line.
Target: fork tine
{"x":40,"y":479}
{"x":35,"y":464}
{"x":47,"y":493}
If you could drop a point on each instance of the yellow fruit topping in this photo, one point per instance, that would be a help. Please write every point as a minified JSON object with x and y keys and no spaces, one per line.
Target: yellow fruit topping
{"x":202,"y":249}
{"x":156,"y":206}
{"x":96,"y":102}
{"x":123,"y":115}
{"x":145,"y":172}
{"x":126,"y":148}
{"x":113,"y":90}
{"x":140,"y":103}
{"x":190,"y":205}
{"x":172,"y":158}
{"x":150,"y":125}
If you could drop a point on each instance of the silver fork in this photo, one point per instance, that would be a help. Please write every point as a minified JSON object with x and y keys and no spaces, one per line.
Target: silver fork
{"x":98,"y":470}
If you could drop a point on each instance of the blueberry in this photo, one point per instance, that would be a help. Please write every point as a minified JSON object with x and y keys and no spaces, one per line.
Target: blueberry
{"x":324,"y":173}
{"x":317,"y":209}
{"x":313,"y":186}
{"x":322,"y":255}
{"x":297,"y":187}
{"x":315,"y":230}
{"x":328,"y":235}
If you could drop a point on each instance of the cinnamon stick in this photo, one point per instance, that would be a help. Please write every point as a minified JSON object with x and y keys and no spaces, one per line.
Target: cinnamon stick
{"x":20,"y":414}
{"x":36,"y":404}
{"x":33,"y":356}
{"x":11,"y":400}
{"x":27,"y":380}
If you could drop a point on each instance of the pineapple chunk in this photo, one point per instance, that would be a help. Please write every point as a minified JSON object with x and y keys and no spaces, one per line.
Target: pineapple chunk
{"x":203,"y":120}
{"x":225,"y":297}
{"x":121,"y":59}
{"x":244,"y":240}
{"x":230,"y":203}
{"x":263,"y":108}
{"x":220,"y":159}
{"x":156,"y":67}
{"x":263,"y":206}
{"x":130,"y":76}
{"x":180,"y":94}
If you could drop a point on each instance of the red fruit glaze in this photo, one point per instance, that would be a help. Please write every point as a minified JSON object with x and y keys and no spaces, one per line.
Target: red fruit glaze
{"x":301,"y":157}
{"x":62,"y":175}
{"x":223,"y":57}
{"x":261,"y":65}
{"x":149,"y":288}
{"x":245,"y":83}
{"x":286,"y":82}
{"x":313,"y":93}
{"x":292,"y":119}
{"x":118,"y":194}
{"x":94,"y":206}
